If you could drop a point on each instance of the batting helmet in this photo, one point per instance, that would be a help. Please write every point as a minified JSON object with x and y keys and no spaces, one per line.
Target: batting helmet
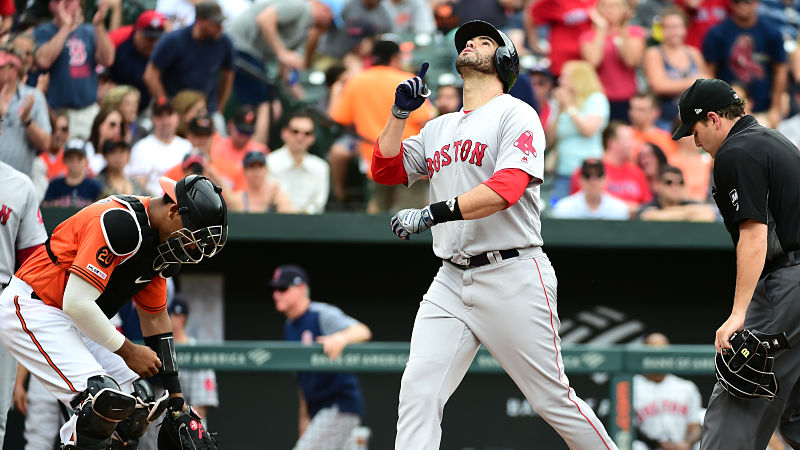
{"x":746,"y":371}
{"x":205,"y":221}
{"x":506,"y":59}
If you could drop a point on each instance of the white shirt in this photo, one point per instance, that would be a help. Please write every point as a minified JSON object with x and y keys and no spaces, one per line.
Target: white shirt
{"x":152,"y":158}
{"x":665,"y":409}
{"x":182,"y":11}
{"x":575,"y":207}
{"x":791,"y":129}
{"x":306,"y":184}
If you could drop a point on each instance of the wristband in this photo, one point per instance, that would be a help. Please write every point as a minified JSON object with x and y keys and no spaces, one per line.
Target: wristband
{"x":164,"y":346}
{"x":27,"y":123}
{"x":399,"y":113}
{"x":446,"y":211}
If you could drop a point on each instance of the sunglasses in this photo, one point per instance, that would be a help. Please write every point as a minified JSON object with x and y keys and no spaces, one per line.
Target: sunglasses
{"x":281,"y":288}
{"x":296,"y":132}
{"x":670,"y":182}
{"x":62,"y":129}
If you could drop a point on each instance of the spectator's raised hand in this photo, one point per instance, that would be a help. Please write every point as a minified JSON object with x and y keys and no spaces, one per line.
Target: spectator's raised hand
{"x":598,"y":21}
{"x":67,"y":20}
{"x":102,"y":11}
{"x":43,"y":82}
{"x":25,"y":110}
{"x":291,"y":59}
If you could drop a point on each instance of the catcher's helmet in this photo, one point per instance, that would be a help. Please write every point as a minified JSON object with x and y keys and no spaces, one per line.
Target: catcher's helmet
{"x":506,"y":59}
{"x":746,"y":371}
{"x":205,"y":221}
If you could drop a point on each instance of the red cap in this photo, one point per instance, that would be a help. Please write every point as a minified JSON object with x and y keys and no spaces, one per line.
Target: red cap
{"x":7,"y":57}
{"x":152,"y":21}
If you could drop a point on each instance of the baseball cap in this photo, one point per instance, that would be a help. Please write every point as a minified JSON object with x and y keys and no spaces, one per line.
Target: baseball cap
{"x":209,"y":10}
{"x":253,"y":158}
{"x":193,"y":159}
{"x":245,"y":120}
{"x":151,"y":23}
{"x":703,"y":96}
{"x":9,"y":57}
{"x":161,"y":106}
{"x":178,"y":306}
{"x":592,"y":166}
{"x":288,"y":275}
{"x":113,"y":145}
{"x":200,"y":201}
{"x":202,"y":125}
{"x":75,"y":145}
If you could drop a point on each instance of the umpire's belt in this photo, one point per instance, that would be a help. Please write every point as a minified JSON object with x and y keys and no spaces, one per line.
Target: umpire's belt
{"x":785,"y":260}
{"x":483,"y":259}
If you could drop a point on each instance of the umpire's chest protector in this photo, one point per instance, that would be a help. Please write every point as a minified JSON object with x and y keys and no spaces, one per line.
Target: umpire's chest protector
{"x":135,"y":272}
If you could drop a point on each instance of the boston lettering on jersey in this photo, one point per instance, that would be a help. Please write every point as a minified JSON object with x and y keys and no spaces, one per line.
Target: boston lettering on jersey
{"x":5,"y":213}
{"x":459,"y":151}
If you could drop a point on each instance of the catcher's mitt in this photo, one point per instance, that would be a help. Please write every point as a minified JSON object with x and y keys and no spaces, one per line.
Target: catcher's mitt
{"x":183,"y":430}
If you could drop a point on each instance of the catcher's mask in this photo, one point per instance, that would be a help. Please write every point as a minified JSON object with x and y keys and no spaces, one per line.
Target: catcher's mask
{"x":205,"y":222}
{"x":746,"y":371}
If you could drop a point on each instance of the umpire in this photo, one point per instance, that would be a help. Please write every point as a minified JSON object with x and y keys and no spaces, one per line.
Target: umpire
{"x":757,"y":191}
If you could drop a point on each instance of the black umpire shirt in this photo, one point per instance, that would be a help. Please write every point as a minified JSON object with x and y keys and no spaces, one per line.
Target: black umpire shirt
{"x":757,"y":176}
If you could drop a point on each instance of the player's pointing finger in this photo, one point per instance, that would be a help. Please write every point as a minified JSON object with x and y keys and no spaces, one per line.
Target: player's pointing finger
{"x":423,"y":69}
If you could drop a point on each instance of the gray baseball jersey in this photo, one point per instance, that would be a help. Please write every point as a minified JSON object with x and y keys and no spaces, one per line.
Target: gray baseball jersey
{"x":20,"y":221}
{"x":458,"y":151}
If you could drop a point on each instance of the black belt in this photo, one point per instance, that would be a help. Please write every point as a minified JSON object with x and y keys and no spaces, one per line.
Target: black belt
{"x":483,"y":259}
{"x":786,"y":260}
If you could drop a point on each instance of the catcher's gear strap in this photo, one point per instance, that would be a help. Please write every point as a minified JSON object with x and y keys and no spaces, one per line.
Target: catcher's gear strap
{"x":98,"y":409}
{"x":148,"y":409}
{"x":164,"y":346}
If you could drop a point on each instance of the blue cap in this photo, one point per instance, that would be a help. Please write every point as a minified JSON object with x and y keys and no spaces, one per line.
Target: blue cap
{"x":178,"y":306}
{"x":288,"y":275}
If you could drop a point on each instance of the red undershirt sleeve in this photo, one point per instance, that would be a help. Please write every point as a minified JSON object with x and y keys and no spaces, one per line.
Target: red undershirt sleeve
{"x":388,"y":170}
{"x":509,"y":184}
{"x":25,"y":253}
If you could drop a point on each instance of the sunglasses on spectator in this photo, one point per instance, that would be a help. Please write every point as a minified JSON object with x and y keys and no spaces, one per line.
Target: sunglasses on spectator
{"x":62,"y":129}
{"x":670,"y":182}
{"x":281,"y":288}
{"x":296,"y":132}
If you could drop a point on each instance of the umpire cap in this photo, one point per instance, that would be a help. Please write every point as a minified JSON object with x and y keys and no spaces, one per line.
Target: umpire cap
{"x":506,"y":59}
{"x":703,"y":96}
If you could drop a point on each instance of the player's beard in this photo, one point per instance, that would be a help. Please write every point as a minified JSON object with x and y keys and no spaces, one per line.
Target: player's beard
{"x":472,"y":61}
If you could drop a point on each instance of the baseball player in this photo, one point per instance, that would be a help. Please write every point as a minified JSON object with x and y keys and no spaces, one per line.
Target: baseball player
{"x":495,"y":287}
{"x":757,"y":191}
{"x":21,"y":233}
{"x":54,"y":314}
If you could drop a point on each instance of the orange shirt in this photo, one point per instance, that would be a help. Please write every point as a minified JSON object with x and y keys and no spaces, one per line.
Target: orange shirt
{"x":696,"y":168}
{"x":81,"y":249}
{"x":366,"y":103}
{"x":55,"y":166}
{"x":228,"y":160}
{"x":658,"y":137}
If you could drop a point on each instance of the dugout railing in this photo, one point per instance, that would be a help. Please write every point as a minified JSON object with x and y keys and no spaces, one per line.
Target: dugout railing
{"x":620,"y":362}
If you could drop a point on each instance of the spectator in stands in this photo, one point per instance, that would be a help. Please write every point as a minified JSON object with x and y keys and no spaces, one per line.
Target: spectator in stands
{"x":304,"y":177}
{"x":189,"y":104}
{"x":790,"y":127}
{"x":591,"y":202}
{"x":411,"y":16}
{"x":228,"y":153}
{"x":182,"y":12}
{"x":26,"y":124}
{"x":133,"y":52}
{"x":112,"y":178}
{"x":643,"y":114}
{"x":667,"y":408}
{"x":199,"y":57}
{"x":696,"y":166}
{"x":651,"y":159}
{"x":362,"y":19}
{"x":126,"y":99}
{"x":703,"y":15}
{"x":747,"y":50}
{"x":543,"y":84}
{"x":671,"y":204}
{"x":582,"y":116}
{"x":70,"y":50}
{"x":270,"y":33}
{"x":672,"y":66}
{"x":24,"y":45}
{"x":330,"y":403}
{"x":626,"y":180}
{"x":615,"y":48}
{"x":7,"y":11}
{"x":262,"y":194}
{"x":567,"y":20}
{"x":75,"y":189}
{"x":363,"y":103}
{"x":447,"y":99}
{"x":107,"y":126}
{"x":201,"y":135}
{"x":152,"y":156}
{"x":53,"y":156}
{"x":199,"y":386}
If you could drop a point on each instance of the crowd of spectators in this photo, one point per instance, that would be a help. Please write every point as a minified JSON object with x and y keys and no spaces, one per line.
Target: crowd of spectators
{"x":280,"y":101}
